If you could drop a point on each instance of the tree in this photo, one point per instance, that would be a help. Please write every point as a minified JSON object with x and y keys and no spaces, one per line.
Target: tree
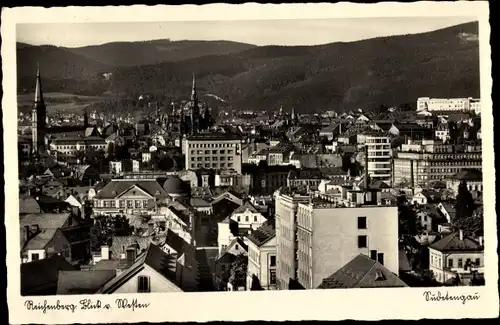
{"x":465,"y":205}
{"x":255,"y":284}
{"x":105,"y":227}
{"x":238,"y":272}
{"x":407,"y":221}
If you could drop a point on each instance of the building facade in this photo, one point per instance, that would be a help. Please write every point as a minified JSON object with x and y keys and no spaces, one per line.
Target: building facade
{"x":328,"y":237}
{"x":286,"y":209}
{"x":428,"y":160}
{"x":378,"y":149}
{"x":449,"y":104}
{"x":214,"y":151}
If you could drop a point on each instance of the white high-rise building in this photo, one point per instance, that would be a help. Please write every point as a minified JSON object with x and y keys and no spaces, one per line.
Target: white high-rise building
{"x":378,"y":149}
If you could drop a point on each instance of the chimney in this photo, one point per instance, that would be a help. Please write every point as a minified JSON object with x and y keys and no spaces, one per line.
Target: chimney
{"x":104,"y":252}
{"x":27,"y":233}
{"x":34,"y":229}
{"x":131,"y":253}
{"x":461,"y":234}
{"x":480,"y":240}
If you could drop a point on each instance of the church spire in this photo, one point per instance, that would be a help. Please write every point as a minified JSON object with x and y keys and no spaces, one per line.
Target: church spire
{"x":38,"y":88}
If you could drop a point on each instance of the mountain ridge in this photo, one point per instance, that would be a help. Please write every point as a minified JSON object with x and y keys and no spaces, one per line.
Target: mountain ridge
{"x":343,"y":75}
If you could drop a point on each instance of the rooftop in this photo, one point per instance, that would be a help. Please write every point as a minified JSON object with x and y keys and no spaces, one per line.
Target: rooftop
{"x":82,"y":282}
{"x":262,"y":234}
{"x":362,"y":272}
{"x":214,"y":136}
{"x":452,"y":243}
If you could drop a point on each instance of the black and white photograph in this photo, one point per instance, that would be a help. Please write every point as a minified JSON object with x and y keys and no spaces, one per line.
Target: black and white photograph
{"x":228,"y":156}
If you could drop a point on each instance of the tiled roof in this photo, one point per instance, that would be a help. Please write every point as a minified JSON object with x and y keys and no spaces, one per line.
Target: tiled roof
{"x":44,"y":220}
{"x":262,"y":234}
{"x":154,"y":257}
{"x":40,"y":240}
{"x":28,"y":204}
{"x":106,"y":265}
{"x":199,"y":202}
{"x":116,"y":187}
{"x":202,"y":192}
{"x":77,"y":234}
{"x":469,"y":175}
{"x":82,"y":282}
{"x":453,"y":243}
{"x":42,"y":275}
{"x":177,"y":243}
{"x":362,"y":272}
{"x":119,"y":244}
{"x":244,"y":207}
{"x":226,"y":258}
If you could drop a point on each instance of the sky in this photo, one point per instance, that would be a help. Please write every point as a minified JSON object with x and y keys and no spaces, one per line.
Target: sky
{"x":257,"y":32}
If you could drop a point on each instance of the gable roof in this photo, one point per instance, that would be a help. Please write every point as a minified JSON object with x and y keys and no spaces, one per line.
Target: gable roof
{"x":43,"y":274}
{"x":44,"y":220}
{"x":238,"y":241}
{"x":452,"y":243}
{"x":154,"y":257}
{"x":263,"y":234}
{"x":362,"y":272}
{"x":246,"y":205}
{"x":40,"y":240}
{"x":82,"y":282}
{"x":118,"y":186}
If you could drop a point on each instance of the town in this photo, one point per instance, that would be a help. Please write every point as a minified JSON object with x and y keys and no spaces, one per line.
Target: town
{"x":187,"y":199}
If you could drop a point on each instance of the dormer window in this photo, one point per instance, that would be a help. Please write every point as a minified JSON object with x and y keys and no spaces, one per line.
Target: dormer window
{"x":379,"y":276}
{"x":143,"y":285}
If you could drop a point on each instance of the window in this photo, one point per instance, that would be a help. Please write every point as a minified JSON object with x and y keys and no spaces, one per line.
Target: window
{"x":272,"y":261}
{"x":272,"y":277}
{"x":223,"y":267}
{"x":380,"y":258}
{"x":246,"y":218}
{"x":130,"y":204}
{"x":143,"y":284}
{"x":450,"y":263}
{"x":373,"y":255}
{"x":255,"y":218}
{"x":35,"y":257}
{"x":361,"y":241}
{"x":468,"y":262}
{"x":361,"y":222}
{"x":460,"y":263}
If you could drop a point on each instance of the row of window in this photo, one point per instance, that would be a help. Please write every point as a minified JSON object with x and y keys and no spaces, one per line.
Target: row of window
{"x":247,"y":218}
{"x":211,"y":145}
{"x":213,"y":152}
{"x":214,"y":165}
{"x":121,"y":203}
{"x":230,"y":158}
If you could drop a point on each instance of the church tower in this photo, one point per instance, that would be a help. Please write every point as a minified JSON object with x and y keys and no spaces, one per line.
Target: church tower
{"x":38,"y":117}
{"x":85,"y":118}
{"x":195,"y":110}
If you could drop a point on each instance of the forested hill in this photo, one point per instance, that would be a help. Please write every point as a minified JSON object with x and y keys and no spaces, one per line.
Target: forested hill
{"x":362,"y":74}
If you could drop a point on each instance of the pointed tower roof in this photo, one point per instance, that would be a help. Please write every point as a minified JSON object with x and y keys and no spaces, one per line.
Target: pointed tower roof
{"x":38,"y":89}
{"x":194,"y":95}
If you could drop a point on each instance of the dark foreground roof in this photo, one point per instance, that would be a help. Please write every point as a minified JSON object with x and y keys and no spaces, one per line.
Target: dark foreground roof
{"x":82,"y":282}
{"x":362,"y":272}
{"x":40,"y":277}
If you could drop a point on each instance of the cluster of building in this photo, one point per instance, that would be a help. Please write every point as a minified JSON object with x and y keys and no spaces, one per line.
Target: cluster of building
{"x":180,"y":203}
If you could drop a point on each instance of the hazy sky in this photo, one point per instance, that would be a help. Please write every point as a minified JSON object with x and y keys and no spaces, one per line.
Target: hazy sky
{"x":258,"y":32}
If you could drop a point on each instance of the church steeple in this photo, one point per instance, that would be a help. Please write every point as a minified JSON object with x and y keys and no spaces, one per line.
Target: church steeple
{"x":39,"y":102}
{"x":85,"y":118}
{"x":38,"y":116}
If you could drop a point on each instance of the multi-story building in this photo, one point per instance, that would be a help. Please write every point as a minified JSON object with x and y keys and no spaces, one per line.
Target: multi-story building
{"x":129,"y":197}
{"x":262,"y":257}
{"x":455,"y":256}
{"x":429,"y":160}
{"x":378,"y":149}
{"x":330,"y":235}
{"x":449,"y":104}
{"x":286,"y":209}
{"x":68,"y":148}
{"x":217,"y":151}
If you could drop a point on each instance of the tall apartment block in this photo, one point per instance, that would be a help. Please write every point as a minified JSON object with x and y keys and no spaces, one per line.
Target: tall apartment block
{"x":378,"y":160}
{"x":329,"y":235}
{"x":286,"y":242}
